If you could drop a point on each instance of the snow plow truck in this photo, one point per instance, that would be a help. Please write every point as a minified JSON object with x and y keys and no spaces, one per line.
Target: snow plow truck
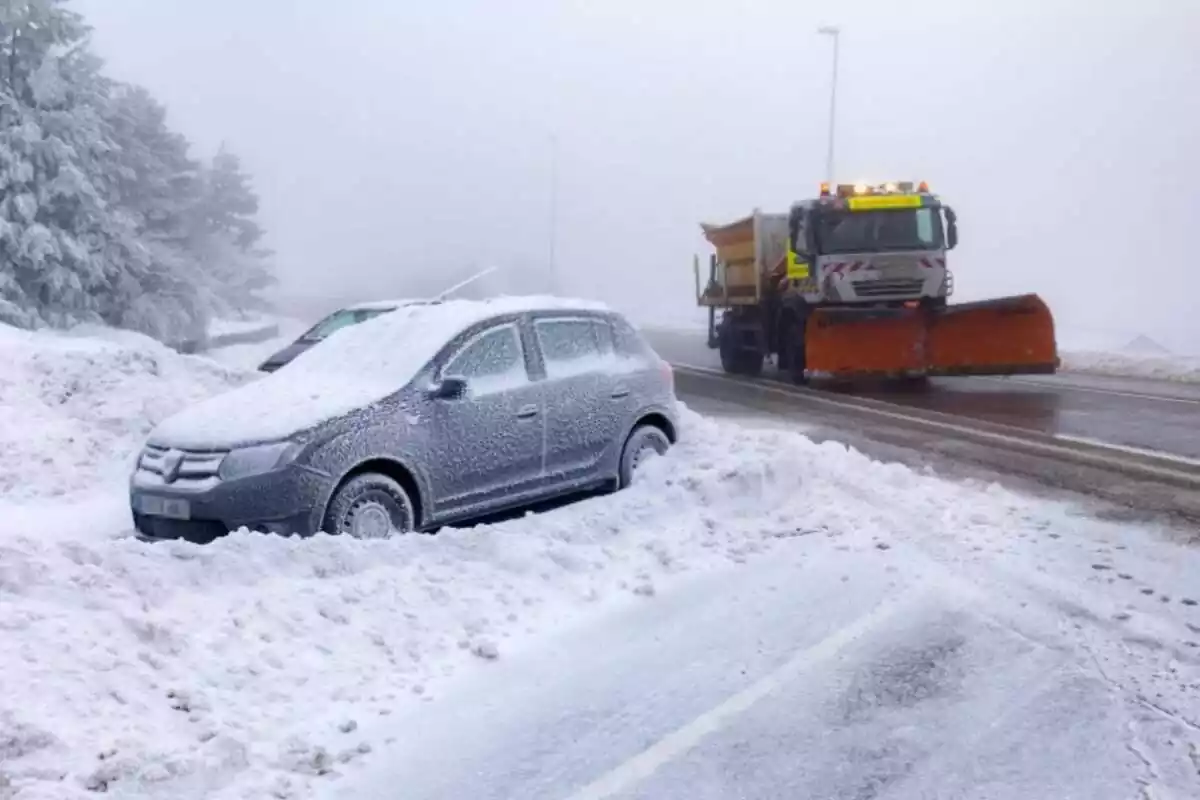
{"x":855,"y":284}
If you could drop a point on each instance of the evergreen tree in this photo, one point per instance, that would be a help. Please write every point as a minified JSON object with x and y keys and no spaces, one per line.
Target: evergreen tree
{"x":226,"y":237}
{"x":156,"y":185}
{"x":57,"y":240}
{"x":103,"y":214}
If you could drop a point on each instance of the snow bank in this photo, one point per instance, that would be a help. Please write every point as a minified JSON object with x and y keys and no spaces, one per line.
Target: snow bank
{"x":247,"y":668}
{"x":76,"y":406}
{"x":1182,"y":369}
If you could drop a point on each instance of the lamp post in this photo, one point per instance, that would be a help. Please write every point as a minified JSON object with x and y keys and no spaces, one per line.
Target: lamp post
{"x":832,"y":31}
{"x":553,"y":212}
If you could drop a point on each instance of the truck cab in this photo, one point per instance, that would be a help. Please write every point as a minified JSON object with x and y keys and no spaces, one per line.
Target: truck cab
{"x":870,"y":245}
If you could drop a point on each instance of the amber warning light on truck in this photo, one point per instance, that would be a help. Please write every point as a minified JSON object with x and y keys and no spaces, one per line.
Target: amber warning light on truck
{"x":891,"y":187}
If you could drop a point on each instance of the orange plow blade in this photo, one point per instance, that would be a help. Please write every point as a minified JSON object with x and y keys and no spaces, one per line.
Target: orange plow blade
{"x":1005,"y":336}
{"x":851,"y":343}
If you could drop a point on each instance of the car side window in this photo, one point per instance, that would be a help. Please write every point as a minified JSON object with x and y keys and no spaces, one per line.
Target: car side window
{"x":604,"y":336}
{"x":569,"y":346}
{"x":493,"y":361}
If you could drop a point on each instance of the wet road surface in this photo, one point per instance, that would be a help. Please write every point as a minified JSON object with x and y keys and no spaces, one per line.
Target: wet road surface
{"x":1146,"y":415}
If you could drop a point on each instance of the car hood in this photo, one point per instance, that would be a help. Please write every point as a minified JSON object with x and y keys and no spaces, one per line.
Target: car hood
{"x":272,"y":408}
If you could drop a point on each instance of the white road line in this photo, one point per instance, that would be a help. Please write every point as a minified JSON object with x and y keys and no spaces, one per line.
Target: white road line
{"x":670,"y":747}
{"x":1095,"y":390}
{"x":1124,"y":448}
{"x":1110,"y":459}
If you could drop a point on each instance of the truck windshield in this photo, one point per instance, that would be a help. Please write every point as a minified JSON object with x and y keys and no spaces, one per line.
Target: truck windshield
{"x":879,"y":231}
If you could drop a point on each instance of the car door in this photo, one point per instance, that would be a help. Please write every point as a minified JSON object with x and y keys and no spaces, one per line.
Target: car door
{"x":583,"y":398}
{"x":489,"y":442}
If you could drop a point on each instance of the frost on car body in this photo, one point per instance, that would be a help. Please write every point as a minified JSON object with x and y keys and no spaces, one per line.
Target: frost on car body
{"x":458,"y":408}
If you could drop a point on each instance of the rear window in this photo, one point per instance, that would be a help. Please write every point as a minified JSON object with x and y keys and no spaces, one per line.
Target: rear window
{"x":569,"y":345}
{"x":628,"y":341}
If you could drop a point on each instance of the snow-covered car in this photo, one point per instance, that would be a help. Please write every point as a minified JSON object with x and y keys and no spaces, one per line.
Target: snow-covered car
{"x":343,"y":317}
{"x":421,"y":417}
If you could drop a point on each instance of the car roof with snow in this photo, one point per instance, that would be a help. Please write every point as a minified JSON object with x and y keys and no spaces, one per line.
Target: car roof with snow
{"x":388,"y":305}
{"x":355,"y":367}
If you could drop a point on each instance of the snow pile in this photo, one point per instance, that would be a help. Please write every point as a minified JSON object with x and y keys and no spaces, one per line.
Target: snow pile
{"x":247,"y":668}
{"x":354,"y":367}
{"x":1182,"y":369}
{"x":75,"y":408}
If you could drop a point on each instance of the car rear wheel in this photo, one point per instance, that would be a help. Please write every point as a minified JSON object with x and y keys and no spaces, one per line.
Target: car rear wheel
{"x":645,"y":441}
{"x":370,"y":506}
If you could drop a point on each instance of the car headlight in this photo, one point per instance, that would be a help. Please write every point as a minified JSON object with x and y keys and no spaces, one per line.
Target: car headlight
{"x":246,"y":461}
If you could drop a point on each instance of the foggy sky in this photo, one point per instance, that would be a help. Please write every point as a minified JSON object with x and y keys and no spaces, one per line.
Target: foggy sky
{"x":395,"y":143}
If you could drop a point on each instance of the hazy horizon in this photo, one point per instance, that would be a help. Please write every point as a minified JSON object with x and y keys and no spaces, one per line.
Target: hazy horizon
{"x":395,"y":145}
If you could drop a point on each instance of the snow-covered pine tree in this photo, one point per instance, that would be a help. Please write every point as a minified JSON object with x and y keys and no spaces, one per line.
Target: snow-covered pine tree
{"x":153,"y":181}
{"x":103,"y":216}
{"x":226,"y":237}
{"x":54,"y":227}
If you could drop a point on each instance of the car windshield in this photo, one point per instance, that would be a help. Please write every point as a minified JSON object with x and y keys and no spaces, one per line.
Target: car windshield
{"x":879,"y":231}
{"x":340,"y":319}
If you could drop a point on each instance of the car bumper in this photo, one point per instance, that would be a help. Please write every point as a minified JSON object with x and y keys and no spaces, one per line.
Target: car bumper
{"x":282,"y":501}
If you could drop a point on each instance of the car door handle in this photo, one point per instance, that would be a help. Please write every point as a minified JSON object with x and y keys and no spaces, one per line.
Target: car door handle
{"x":617,"y":394}
{"x":525,"y":412}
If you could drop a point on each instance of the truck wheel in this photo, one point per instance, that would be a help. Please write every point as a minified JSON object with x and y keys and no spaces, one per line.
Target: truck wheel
{"x":751,"y":363}
{"x":737,"y":359}
{"x":792,"y":352}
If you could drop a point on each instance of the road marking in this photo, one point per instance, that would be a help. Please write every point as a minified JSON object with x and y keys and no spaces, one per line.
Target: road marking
{"x":1124,"y":448}
{"x":673,"y":745}
{"x":1094,"y":389}
{"x":1107,"y":457}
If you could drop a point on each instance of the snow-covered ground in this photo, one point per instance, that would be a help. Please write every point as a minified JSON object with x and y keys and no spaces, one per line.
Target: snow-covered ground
{"x":1182,"y":369}
{"x":265,"y":667}
{"x":75,"y":407}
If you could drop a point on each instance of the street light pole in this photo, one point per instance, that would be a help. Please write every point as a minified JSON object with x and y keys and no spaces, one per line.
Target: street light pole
{"x":553,"y":212}
{"x":831,"y":31}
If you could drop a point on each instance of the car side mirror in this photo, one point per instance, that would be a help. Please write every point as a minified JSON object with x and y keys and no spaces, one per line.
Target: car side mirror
{"x":449,"y":389}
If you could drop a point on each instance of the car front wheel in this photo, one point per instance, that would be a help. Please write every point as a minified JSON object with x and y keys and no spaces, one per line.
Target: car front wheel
{"x":645,"y":441}
{"x":370,"y":506}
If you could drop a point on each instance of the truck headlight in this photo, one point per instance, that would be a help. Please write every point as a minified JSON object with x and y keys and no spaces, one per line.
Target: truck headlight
{"x":246,"y":461}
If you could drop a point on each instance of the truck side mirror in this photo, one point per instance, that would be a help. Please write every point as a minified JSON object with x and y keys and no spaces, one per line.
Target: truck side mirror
{"x":951,"y":229}
{"x":800,"y":234}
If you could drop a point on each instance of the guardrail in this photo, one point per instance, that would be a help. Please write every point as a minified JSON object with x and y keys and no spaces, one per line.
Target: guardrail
{"x":251,"y":336}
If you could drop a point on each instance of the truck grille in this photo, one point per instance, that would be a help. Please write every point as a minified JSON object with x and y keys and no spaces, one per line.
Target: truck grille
{"x":196,"y":469}
{"x":903,"y":287}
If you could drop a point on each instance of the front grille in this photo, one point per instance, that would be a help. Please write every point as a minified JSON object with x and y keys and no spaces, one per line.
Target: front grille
{"x":903,"y":287}
{"x":199,"y":531}
{"x":197,"y":468}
